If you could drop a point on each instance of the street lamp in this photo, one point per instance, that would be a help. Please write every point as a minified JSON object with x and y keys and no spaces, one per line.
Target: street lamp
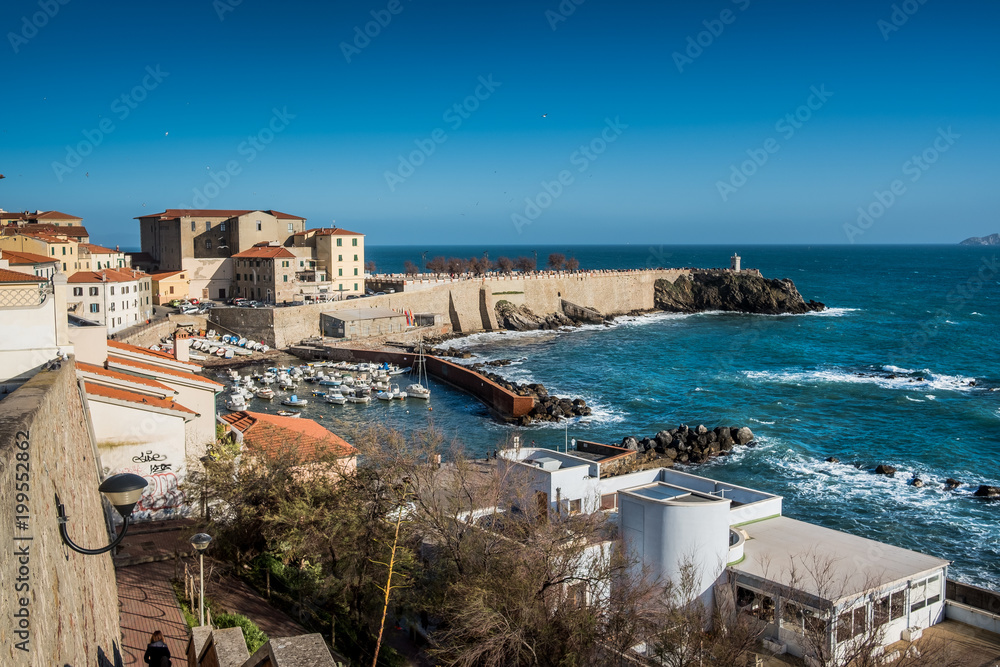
{"x":123,"y":491}
{"x":200,"y":543}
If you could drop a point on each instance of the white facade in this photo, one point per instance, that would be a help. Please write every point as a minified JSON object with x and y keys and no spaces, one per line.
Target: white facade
{"x":33,"y":329}
{"x":115,"y":299}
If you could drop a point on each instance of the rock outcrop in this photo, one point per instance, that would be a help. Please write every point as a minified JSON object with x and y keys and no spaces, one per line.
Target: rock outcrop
{"x":685,"y":444}
{"x":547,"y":408}
{"x":737,"y":292}
{"x":521,"y":318}
{"x":992,"y":239}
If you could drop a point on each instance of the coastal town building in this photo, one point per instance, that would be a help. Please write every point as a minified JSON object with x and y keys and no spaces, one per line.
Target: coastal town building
{"x":265,"y":272}
{"x":38,"y":219}
{"x":816,"y":589}
{"x":94,"y":258}
{"x":29,"y":262}
{"x":117,"y":298}
{"x":362,"y":323}
{"x":338,"y":257}
{"x":301,"y":441}
{"x":170,"y":285}
{"x":62,"y":249}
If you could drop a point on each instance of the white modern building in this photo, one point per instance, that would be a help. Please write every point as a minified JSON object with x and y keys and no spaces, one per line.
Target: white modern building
{"x":817,"y":590}
{"x":116,"y":298}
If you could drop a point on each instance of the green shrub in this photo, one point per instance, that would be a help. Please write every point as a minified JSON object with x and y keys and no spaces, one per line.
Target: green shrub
{"x":252,"y":634}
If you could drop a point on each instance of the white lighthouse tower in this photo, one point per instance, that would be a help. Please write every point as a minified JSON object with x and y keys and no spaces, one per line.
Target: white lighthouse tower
{"x":734,"y":262}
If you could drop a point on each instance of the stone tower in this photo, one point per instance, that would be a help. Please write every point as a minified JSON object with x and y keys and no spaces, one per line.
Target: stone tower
{"x":734,"y":262}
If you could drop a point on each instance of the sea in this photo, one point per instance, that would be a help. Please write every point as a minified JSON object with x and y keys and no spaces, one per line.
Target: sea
{"x":900,"y":369}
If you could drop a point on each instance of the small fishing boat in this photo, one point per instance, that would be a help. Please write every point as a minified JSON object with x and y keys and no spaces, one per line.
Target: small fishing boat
{"x":221,"y":352}
{"x":419,"y":388}
{"x":228,"y":354}
{"x":295,"y":401}
{"x":399,"y":371}
{"x":359,"y":399}
{"x":236,"y":403}
{"x":335,"y":399}
{"x":266,"y":393}
{"x":287,"y":413}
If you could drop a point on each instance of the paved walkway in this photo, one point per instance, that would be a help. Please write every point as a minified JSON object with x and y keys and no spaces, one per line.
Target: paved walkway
{"x":147,"y":603}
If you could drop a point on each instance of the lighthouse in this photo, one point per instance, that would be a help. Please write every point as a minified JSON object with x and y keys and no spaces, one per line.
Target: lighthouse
{"x":734,"y":262}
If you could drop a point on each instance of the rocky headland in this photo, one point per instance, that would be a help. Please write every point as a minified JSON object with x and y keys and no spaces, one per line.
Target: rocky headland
{"x":992,"y":239}
{"x":685,"y":444}
{"x":521,"y":318}
{"x":743,"y":292}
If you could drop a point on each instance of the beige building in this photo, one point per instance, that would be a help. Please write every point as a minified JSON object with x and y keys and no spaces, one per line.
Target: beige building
{"x":28,"y":219}
{"x":28,"y":262}
{"x":94,"y":258}
{"x":115,"y":298}
{"x":170,"y":285}
{"x":64,"y":250}
{"x":339,"y":256}
{"x":265,"y":273}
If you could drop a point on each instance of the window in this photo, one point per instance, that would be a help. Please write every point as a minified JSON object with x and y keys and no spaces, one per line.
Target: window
{"x":575,"y":506}
{"x":193,"y":223}
{"x":77,"y":291}
{"x":208,"y":226}
{"x":53,"y":251}
{"x":926,"y":592}
{"x":64,"y":267}
{"x":222,"y":226}
{"x":285,"y":279}
{"x":340,"y":258}
{"x":340,"y":242}
{"x":111,"y":306}
{"x":284,"y":264}
{"x":355,"y":287}
{"x":354,"y":242}
{"x":355,"y":272}
{"x":258,"y":226}
{"x":355,"y":258}
{"x":755,"y":604}
{"x":208,"y":244}
{"x":112,"y":290}
{"x":291,"y":227}
{"x":852,"y":623}
{"x":95,"y":307}
{"x":93,"y":291}
{"x":257,"y":263}
{"x":890,"y":607}
{"x":171,"y":289}
{"x":125,"y":290}
{"x":64,"y":250}
{"x":340,"y":272}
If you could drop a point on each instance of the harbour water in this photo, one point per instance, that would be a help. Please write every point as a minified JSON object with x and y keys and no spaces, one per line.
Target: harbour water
{"x":901,"y":369}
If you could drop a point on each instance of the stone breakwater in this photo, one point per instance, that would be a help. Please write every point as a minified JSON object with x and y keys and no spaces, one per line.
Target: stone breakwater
{"x":685,"y":444}
{"x":743,"y":292}
{"x":547,"y":408}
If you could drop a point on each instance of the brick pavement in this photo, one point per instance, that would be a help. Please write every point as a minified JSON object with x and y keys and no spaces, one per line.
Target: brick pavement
{"x":146,"y":602}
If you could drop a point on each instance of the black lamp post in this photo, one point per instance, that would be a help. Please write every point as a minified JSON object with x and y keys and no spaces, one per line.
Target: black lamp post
{"x":200,"y":542}
{"x":123,"y":491}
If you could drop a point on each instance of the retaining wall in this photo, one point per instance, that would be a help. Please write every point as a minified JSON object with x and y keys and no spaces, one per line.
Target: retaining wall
{"x":67,"y":601}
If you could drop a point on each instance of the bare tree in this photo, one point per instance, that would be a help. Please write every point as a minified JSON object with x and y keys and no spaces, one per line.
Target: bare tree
{"x":410,"y":269}
{"x":370,"y":266}
{"x":557,"y":261}
{"x":437,"y":265}
{"x":524,"y":264}
{"x":572,"y":264}
{"x":505,"y":264}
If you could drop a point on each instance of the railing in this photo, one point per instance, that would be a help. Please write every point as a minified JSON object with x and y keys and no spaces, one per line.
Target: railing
{"x":24,"y":297}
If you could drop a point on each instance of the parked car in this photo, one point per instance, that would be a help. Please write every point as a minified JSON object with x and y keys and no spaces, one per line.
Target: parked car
{"x":174,"y":302}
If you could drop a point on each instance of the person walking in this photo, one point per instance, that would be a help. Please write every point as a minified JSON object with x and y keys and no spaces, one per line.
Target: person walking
{"x":157,"y":653}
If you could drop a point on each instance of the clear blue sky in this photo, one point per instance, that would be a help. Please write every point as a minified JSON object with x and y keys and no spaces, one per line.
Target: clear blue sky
{"x":657,"y":182}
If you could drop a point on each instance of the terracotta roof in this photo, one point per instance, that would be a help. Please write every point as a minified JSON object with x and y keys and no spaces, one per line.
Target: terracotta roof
{"x":7,"y":276}
{"x":328,"y":231}
{"x":39,"y":228}
{"x":97,"y":250}
{"x":165,"y":274}
{"x":107,"y":276}
{"x":115,"y":375}
{"x":274,"y":435}
{"x":264,"y":252}
{"x":172,"y":213}
{"x":56,"y":215}
{"x":17,"y":257}
{"x":125,"y":347}
{"x":135,"y":397}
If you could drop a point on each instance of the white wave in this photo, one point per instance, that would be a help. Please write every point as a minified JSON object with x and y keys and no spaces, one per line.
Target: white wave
{"x":977,"y":314}
{"x":889,"y":368}
{"x":833,"y":312}
{"x":913,"y":380}
{"x":761,"y":421}
{"x":915,"y":400}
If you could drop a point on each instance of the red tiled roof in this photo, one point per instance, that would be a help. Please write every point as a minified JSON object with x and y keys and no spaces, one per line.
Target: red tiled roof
{"x":172,"y":213}
{"x":17,"y":257}
{"x":264,"y":252}
{"x":107,"y":276}
{"x":7,"y":276}
{"x":56,"y":215}
{"x":328,"y":231}
{"x":135,"y":397}
{"x":125,"y":347}
{"x":115,"y":375}
{"x":39,"y":228}
{"x":96,"y":249}
{"x":273,"y":435}
{"x":165,"y":275}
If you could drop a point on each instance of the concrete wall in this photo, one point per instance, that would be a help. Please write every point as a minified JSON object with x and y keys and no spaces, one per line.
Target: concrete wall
{"x":28,"y":333}
{"x":977,"y":618}
{"x":71,"y":600}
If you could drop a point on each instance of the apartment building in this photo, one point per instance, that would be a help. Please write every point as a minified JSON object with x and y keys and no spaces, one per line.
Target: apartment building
{"x":42,"y":218}
{"x":339,"y":259}
{"x":28,"y":262}
{"x":94,"y":258}
{"x":170,"y":285}
{"x":265,"y":273}
{"x":116,"y":298}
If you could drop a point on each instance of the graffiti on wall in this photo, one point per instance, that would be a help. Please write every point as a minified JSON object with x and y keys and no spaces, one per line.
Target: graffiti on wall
{"x":163,"y":496}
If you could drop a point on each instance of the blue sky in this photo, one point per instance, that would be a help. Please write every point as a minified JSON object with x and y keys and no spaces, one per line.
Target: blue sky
{"x":589,"y":126}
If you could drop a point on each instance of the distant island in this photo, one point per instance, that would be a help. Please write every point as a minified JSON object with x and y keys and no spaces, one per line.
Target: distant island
{"x":992,"y":239}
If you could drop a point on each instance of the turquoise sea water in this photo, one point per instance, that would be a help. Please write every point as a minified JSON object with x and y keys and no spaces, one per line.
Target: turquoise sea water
{"x":809,"y":386}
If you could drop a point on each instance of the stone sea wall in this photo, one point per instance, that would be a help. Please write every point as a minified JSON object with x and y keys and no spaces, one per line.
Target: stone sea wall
{"x":59,"y":607}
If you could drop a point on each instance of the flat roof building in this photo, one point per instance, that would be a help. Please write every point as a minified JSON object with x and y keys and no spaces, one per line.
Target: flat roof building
{"x":362,"y":322}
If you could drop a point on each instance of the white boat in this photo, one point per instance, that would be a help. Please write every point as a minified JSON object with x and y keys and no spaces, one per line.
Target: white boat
{"x":288,"y":413}
{"x":236,"y":403}
{"x":265,"y":348}
{"x":295,"y":401}
{"x":335,"y":399}
{"x":419,"y":388}
{"x":384,"y":395}
{"x":359,"y":399}
{"x":266,"y":393}
{"x":399,"y":371}
{"x":228,"y":354}
{"x":221,"y":352}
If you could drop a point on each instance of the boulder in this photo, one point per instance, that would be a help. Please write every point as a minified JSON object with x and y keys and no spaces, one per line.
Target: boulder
{"x":887,"y":470}
{"x":950,"y":484}
{"x":985,"y":491}
{"x":832,"y":459}
{"x":701,"y":430}
{"x":744,"y":436}
{"x":663,"y":438}
{"x":630,"y":443}
{"x":917,"y":482}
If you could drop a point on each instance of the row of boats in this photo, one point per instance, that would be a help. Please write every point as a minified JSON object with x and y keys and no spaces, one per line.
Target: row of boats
{"x":344,"y":383}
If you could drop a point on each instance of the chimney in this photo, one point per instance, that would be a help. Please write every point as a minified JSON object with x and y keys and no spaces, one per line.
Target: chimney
{"x":182,"y":346}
